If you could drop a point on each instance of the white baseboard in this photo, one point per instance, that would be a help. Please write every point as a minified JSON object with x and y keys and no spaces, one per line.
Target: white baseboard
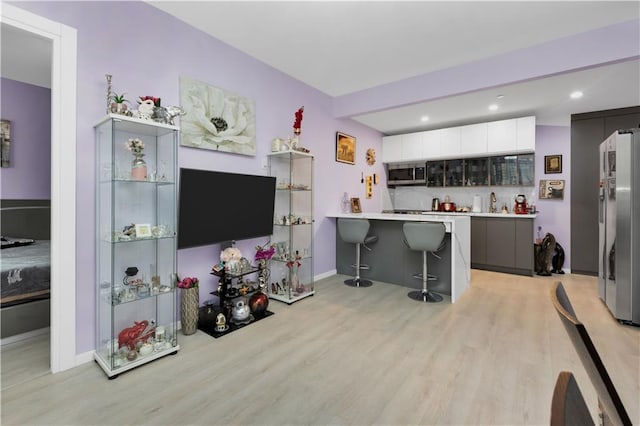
{"x":324,"y":275}
{"x":24,"y":336}
{"x":84,"y":358}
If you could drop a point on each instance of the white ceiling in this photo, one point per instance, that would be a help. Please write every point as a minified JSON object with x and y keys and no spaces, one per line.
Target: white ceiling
{"x":344,"y":47}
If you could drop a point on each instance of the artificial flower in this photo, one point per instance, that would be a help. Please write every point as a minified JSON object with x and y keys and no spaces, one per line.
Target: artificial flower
{"x":297,"y":124}
{"x":135,"y":145}
{"x":189,"y":282}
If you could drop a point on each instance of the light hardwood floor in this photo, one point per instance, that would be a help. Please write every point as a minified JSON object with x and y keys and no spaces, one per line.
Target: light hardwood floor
{"x":24,"y":360}
{"x":358,"y":356}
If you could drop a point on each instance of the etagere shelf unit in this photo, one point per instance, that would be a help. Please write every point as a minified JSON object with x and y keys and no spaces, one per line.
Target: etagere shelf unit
{"x":136,"y":297}
{"x":291,"y":277}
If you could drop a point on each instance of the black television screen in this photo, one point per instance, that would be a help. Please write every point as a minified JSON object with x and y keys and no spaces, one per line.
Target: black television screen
{"x":218,"y":206}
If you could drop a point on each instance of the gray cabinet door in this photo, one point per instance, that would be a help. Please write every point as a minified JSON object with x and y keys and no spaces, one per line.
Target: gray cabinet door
{"x":501,"y":234}
{"x":588,"y":131}
{"x":478,"y":240}
{"x":524,"y":244}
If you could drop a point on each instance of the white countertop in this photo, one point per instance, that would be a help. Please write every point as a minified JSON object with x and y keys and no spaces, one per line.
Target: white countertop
{"x":440,"y":216}
{"x":519,"y":216}
{"x":430,"y":216}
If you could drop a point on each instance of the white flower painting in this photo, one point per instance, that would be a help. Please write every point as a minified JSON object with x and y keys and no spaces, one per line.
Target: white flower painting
{"x":216,"y":119}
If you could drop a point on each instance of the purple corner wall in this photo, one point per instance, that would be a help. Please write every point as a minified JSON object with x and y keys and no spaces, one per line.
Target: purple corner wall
{"x":28,"y":108}
{"x":554,"y":216}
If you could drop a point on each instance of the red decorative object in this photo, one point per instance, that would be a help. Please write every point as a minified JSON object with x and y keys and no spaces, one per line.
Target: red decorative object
{"x":258,"y":303}
{"x":297,"y":124}
{"x":156,"y":101}
{"x":138,"y":333}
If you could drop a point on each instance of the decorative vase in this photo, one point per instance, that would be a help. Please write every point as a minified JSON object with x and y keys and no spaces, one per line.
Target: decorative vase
{"x":295,"y":282}
{"x":118,"y":108}
{"x":258,"y":303}
{"x":189,"y":310}
{"x":138,"y":167}
{"x":295,"y":140}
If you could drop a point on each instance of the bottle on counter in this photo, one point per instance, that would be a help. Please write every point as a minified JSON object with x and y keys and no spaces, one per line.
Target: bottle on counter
{"x":345,"y":204}
{"x":539,"y":235}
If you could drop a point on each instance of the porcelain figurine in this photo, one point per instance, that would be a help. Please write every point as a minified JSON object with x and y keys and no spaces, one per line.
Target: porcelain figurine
{"x":240,"y":310}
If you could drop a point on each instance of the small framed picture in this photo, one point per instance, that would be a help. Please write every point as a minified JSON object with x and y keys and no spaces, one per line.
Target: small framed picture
{"x":143,"y":230}
{"x":345,"y":148}
{"x":551,"y":189}
{"x":355,"y":205}
{"x":552,"y":164}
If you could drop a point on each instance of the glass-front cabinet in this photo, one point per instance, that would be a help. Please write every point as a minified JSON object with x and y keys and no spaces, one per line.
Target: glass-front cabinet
{"x":454,"y":173}
{"x":512,"y":170}
{"x":435,"y":173}
{"x":476,"y":171}
{"x":136,"y":262}
{"x":291,"y":267}
{"x":501,"y":170}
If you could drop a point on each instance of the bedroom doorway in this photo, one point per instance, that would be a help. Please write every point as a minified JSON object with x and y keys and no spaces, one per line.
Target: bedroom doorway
{"x":63,"y":41}
{"x":26,"y":197}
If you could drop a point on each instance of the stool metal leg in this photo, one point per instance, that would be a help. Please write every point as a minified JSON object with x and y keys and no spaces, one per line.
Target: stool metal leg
{"x":425,"y":295}
{"x":357,"y":282}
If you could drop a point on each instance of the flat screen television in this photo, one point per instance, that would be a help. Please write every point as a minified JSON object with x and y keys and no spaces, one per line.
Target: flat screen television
{"x":216,"y":207}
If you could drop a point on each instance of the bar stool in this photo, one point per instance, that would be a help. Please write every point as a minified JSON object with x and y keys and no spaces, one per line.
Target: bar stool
{"x":355,"y":231}
{"x":425,"y":237}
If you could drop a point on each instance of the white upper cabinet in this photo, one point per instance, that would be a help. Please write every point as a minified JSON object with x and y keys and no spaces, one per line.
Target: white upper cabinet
{"x":412,"y":147}
{"x":526,"y":134}
{"x":501,"y":136}
{"x":494,"y":138}
{"x":473,"y":139}
{"x":450,"y":143}
{"x":392,"y":149}
{"x":431,"y":141}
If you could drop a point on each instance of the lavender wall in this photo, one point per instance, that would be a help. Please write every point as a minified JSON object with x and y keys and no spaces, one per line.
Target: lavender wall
{"x":28,"y":107}
{"x":151,"y":64}
{"x":554,"y":216}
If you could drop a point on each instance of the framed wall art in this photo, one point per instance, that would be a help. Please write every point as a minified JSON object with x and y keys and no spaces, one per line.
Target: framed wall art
{"x":5,"y":143}
{"x":345,"y":148}
{"x":551,"y":189}
{"x":552,"y":164}
{"x":216,"y":119}
{"x":355,"y":205}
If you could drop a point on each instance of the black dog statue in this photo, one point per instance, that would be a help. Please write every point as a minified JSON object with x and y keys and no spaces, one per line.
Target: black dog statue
{"x":558,"y":260}
{"x":544,"y":254}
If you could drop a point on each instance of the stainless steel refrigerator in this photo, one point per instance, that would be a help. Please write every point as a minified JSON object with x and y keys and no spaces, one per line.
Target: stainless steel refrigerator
{"x":619,"y":225}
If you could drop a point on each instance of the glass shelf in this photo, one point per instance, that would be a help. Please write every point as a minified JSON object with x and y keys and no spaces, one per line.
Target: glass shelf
{"x":135,"y":240}
{"x":138,"y":297}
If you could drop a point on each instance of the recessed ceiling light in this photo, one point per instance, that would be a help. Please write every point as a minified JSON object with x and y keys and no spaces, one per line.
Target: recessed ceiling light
{"x":493,"y":107}
{"x":424,"y":118}
{"x":499,"y":96}
{"x":576,"y":95}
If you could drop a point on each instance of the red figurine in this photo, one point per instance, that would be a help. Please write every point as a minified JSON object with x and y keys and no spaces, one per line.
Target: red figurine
{"x":137,"y":333}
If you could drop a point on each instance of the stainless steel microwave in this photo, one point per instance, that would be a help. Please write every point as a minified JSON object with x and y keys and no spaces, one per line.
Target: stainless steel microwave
{"x":406,"y":174}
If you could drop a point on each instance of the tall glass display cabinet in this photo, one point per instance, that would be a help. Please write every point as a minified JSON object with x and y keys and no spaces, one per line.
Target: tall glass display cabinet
{"x":136,"y":297}
{"x":291,"y":277}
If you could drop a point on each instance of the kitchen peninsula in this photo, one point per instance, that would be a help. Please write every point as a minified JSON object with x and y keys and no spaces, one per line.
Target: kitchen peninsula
{"x":391,"y":261}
